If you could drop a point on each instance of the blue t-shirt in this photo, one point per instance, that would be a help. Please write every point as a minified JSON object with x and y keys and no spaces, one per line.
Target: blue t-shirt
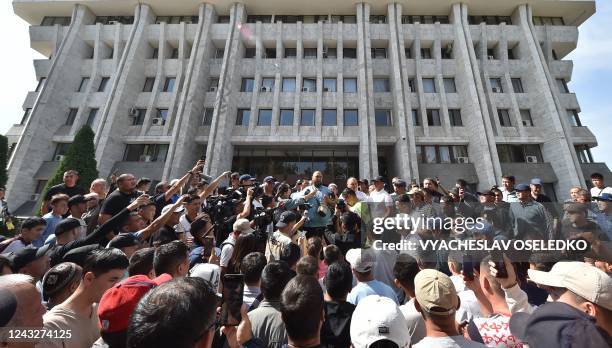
{"x":314,"y":219}
{"x":52,"y":221}
{"x":373,"y":287}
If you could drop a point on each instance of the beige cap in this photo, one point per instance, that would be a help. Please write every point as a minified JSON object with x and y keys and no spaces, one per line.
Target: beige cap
{"x":242,"y":226}
{"x":584,"y":280}
{"x":435,"y":290}
{"x":416,"y":191}
{"x":361,"y":260}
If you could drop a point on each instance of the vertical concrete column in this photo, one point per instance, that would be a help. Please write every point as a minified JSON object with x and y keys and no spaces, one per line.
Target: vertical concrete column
{"x":183,"y":151}
{"x":507,"y":81}
{"x":405,"y":158}
{"x":256,"y":79}
{"x":558,"y":150}
{"x":220,"y":149}
{"x":277,"y":88}
{"x":418,"y":79}
{"x":319,"y":77}
{"x":339,"y":79}
{"x":439,"y":80}
{"x":368,"y":151}
{"x":295,"y":131}
{"x":33,"y":148}
{"x":482,"y":149}
{"x":162,"y":50}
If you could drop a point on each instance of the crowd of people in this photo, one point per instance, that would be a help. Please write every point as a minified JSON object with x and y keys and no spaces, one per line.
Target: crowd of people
{"x":124,"y":264}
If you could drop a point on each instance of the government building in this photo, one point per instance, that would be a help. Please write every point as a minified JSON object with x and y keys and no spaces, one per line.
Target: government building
{"x":422,"y":88}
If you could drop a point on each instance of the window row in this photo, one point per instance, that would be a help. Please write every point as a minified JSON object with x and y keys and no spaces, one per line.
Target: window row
{"x":350,"y":117}
{"x":490,"y":20}
{"x":115,"y":19}
{"x":84,"y":83}
{"x":177,"y":19}
{"x":510,"y":153}
{"x":72,"y":114}
{"x":424,"y":19}
{"x":435,"y":120}
{"x":505,"y":120}
{"x":145,"y":152}
{"x":51,"y":21}
{"x":446,"y":52}
{"x":442,"y":154}
{"x":548,"y":20}
{"x":497,"y":86}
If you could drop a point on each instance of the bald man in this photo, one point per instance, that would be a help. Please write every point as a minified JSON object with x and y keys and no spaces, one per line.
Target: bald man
{"x":20,"y":307}
{"x":320,"y":212}
{"x":353,"y":184}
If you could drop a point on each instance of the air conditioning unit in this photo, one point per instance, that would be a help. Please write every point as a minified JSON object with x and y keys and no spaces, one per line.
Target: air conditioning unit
{"x":305,"y":89}
{"x":113,"y":22}
{"x":133,"y":112}
{"x":526,"y":124}
{"x":158,"y":121}
{"x":212,"y":89}
{"x":266,"y":89}
{"x":325,"y":89}
{"x":35,"y":197}
{"x":531,"y":159}
{"x":59,"y":158}
{"x":462,"y":160}
{"x":496,"y":90}
{"x":491,"y":57}
{"x":146,"y":158}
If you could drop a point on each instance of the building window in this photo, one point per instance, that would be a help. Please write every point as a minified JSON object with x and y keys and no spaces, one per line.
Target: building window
{"x":174,"y":54}
{"x":208,"y":116}
{"x":351,"y":117}
{"x":562,"y":86}
{"x":526,"y":118}
{"x":378,"y":19}
{"x":443,"y":154}
{"x":162,"y":117}
{"x":219,"y":53}
{"x":455,"y":117}
{"x":382,"y":85}
{"x":309,"y":85}
{"x":511,"y":52}
{"x":91,"y":117}
{"x":115,"y":19}
{"x":504,"y":117}
{"x":265,"y":117}
{"x":290,"y":52}
{"x":449,"y":85}
{"x":148,"y":85}
{"x":489,"y":20}
{"x":138,"y":119}
{"x":425,"y":53}
{"x":60,"y":150}
{"x":41,"y":82}
{"x":429,"y":85}
{"x":169,"y":85}
{"x":83,"y":85}
{"x":288,"y":84}
{"x":517,"y":85}
{"x":307,"y":117}
{"x":223,"y":19}
{"x":408,"y":52}
{"x":330,"y":117}
{"x":447,"y":52}
{"x":249,"y":52}
{"x":269,"y":53}
{"x":177,"y":19}
{"x":247,"y":84}
{"x":145,"y":152}
{"x":509,"y":153}
{"x":379,"y":53}
{"x":255,"y":19}
{"x":242,"y":118}
{"x":72,"y":112}
{"x":350,"y":85}
{"x":496,"y":85}
{"x":382,"y":117}
{"x":412,"y":85}
{"x":330,"y":52}
{"x":416,"y":118}
{"x":329,"y":85}
{"x":349,"y":52}
{"x":267,"y":84}
{"x":155,"y":53}
{"x":584,"y":153}
{"x":574,"y":118}
{"x":538,"y":20}
{"x":433,"y":117}
{"x":51,"y":21}
{"x":310,"y":53}
{"x":26,"y":115}
{"x":286,"y":117}
{"x":424,"y":19}
{"x":103,"y":83}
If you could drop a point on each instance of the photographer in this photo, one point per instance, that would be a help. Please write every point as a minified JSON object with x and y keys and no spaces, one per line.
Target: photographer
{"x":345,"y":231}
{"x":288,"y":227}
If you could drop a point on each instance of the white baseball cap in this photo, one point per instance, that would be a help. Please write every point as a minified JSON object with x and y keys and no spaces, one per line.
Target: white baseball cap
{"x":179,"y":209}
{"x":584,"y":280}
{"x":378,"y":318}
{"x":361,"y":260}
{"x":242,"y":226}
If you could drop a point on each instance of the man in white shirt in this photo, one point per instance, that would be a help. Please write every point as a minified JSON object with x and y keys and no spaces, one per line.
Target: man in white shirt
{"x":241,"y":226}
{"x":599,"y":187}
{"x":353,"y":184}
{"x":507,"y":189}
{"x":381,"y":197}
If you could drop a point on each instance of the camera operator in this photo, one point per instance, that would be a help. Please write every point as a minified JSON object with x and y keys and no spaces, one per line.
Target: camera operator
{"x":288,"y":226}
{"x":319,"y":215}
{"x":345,"y":228}
{"x":268,"y":185}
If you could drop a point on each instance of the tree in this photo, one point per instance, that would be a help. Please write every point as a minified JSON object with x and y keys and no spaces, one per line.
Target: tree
{"x":3,"y":159}
{"x":80,"y":156}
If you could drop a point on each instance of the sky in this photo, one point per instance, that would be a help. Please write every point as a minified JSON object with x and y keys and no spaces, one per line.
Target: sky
{"x":591,"y":80}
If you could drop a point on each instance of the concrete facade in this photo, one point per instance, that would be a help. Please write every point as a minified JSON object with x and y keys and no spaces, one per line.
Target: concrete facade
{"x":204,"y":51}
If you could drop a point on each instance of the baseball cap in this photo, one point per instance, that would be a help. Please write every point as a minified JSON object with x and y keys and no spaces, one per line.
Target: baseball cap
{"x":361,"y":260}
{"x":400,"y":183}
{"x":536,"y":181}
{"x":179,"y":209}
{"x":8,"y":306}
{"x":522,"y":187}
{"x":285,"y":218}
{"x":209,"y":272}
{"x":245,"y":177}
{"x":557,"y":324}
{"x":269,"y":179}
{"x":378,"y":178}
{"x":118,"y":303}
{"x":242,"y":226}
{"x":604,"y":197}
{"x":416,"y":191}
{"x":299,"y":181}
{"x":66,"y":225}
{"x":584,"y":280}
{"x":435,"y":292}
{"x":486,"y":193}
{"x":58,"y":277}
{"x":23,"y":257}
{"x":378,"y":318}
{"x":75,"y":200}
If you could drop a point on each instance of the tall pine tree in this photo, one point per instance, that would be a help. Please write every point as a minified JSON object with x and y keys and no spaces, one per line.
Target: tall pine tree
{"x":3,"y":159}
{"x":80,"y":156}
